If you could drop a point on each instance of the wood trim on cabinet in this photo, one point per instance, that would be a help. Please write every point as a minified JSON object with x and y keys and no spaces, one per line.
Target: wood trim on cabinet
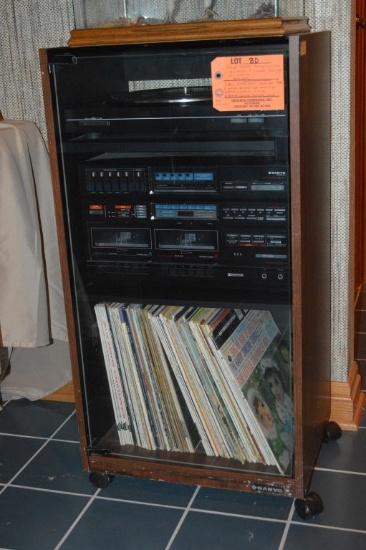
{"x":190,"y":31}
{"x":61,"y":235}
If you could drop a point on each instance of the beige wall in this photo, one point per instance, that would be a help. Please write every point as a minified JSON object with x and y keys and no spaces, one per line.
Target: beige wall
{"x":340,"y":17}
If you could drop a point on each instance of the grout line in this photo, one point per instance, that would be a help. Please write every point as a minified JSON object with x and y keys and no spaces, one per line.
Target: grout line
{"x":287,"y":522}
{"x":236,"y":515}
{"x":52,"y":491}
{"x":180,"y":523}
{"x":141,"y":503}
{"x":35,"y":454}
{"x":97,"y":496}
{"x":189,"y":507}
{"x":287,"y":526}
{"x":73,"y":441}
{"x":38,"y":437}
{"x":151,"y":504}
{"x":24,"y":437}
{"x":23,"y":467}
{"x":91,"y":498}
{"x":346,"y":472}
{"x":63,"y":423}
{"x":329,"y":527}
{"x":75,"y":522}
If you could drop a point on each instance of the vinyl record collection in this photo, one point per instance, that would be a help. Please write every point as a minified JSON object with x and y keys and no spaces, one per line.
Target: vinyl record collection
{"x":199,"y":379}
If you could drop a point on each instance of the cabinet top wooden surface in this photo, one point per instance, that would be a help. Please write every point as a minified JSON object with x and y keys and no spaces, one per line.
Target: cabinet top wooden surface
{"x":187,"y":32}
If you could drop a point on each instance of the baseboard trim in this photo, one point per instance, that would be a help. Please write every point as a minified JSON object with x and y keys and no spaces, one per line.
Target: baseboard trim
{"x":347,"y":400}
{"x":64,"y":394}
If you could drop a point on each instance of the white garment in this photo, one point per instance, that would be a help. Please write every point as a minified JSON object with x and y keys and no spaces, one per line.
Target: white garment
{"x":37,"y":372}
{"x":32,"y":310}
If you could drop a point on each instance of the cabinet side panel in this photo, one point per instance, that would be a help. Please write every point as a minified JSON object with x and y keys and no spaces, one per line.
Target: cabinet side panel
{"x":310,"y":189}
{"x":52,"y":147}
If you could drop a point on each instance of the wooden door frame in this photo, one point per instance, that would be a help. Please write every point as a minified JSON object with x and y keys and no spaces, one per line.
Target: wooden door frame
{"x":360,"y":145}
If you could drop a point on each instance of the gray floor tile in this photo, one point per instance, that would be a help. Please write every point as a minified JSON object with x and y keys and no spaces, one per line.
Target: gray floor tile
{"x":236,"y":502}
{"x":144,"y":514}
{"x":319,"y":538}
{"x":35,"y":418}
{"x":214,"y":532}
{"x":69,"y":432}
{"x":153,"y":492}
{"x":344,"y":500}
{"x":36,"y":520}
{"x":58,"y":468}
{"x":15,"y":452}
{"x":346,"y":454}
{"x":123,"y":526}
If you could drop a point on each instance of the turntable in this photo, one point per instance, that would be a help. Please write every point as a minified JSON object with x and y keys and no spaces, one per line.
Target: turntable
{"x":183,"y":95}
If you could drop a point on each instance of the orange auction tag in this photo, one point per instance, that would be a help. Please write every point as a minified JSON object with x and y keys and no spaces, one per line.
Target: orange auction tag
{"x":248,"y":83}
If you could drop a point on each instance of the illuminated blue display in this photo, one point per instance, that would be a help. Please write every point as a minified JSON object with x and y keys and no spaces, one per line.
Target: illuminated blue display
{"x":184,"y":176}
{"x":197,"y":211}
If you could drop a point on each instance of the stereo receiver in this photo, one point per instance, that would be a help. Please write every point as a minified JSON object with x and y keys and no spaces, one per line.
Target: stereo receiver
{"x":177,"y":217}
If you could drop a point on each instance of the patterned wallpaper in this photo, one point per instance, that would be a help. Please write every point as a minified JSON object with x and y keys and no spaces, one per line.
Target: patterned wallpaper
{"x":339,"y":17}
{"x":27,"y":26}
{"x":24,"y":28}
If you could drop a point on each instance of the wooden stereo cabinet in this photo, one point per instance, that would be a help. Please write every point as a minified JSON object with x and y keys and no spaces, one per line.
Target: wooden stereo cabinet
{"x":196,"y":175}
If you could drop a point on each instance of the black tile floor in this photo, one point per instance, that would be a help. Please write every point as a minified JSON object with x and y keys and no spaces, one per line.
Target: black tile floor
{"x":48,"y":503}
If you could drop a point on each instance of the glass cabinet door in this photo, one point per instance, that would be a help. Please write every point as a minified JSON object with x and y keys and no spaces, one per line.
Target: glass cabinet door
{"x":177,"y":210}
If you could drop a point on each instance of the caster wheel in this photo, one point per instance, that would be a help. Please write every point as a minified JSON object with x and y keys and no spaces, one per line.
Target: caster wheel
{"x":332,"y":432}
{"x":100,"y":480}
{"x":310,"y":506}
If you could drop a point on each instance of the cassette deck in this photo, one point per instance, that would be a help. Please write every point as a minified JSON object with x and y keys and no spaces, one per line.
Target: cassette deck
{"x":173,"y":220}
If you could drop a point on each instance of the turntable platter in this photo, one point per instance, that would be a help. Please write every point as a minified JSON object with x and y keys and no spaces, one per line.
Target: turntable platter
{"x":181,"y":96}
